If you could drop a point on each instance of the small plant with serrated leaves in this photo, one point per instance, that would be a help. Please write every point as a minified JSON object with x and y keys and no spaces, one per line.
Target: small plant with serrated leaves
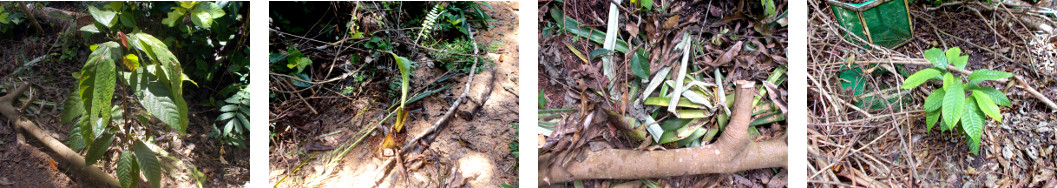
{"x":951,"y":102}
{"x":155,"y":83}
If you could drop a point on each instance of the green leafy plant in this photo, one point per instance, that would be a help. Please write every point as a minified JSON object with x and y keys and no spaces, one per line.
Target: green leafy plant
{"x":9,"y":18}
{"x":236,"y":112}
{"x":156,"y":84}
{"x":950,"y":102}
{"x":401,"y":114}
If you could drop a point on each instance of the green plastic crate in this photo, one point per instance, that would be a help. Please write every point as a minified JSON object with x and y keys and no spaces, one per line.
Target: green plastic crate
{"x":882,"y":22}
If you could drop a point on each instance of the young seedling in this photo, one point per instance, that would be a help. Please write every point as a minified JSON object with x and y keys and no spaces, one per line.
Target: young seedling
{"x":950,"y":101}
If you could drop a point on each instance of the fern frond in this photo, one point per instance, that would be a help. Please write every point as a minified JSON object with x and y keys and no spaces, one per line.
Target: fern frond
{"x":431,"y":18}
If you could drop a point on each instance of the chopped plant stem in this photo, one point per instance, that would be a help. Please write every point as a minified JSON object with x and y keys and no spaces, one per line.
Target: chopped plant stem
{"x":682,"y":73}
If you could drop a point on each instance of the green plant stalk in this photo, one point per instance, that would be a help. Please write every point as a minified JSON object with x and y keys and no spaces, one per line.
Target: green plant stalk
{"x":682,"y":73}
{"x":774,"y":78}
{"x":608,"y":67}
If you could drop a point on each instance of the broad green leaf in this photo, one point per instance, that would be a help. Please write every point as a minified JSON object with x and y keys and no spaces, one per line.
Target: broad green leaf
{"x":98,"y":148}
{"x":148,"y":163}
{"x":953,"y":100}
{"x":931,"y":117}
{"x":935,"y":100}
{"x":983,"y":75}
{"x":973,"y":122}
{"x":936,"y":57}
{"x":90,"y":28}
{"x":72,"y":108}
{"x":155,"y":97}
{"x":131,"y":61}
{"x":127,"y":170}
{"x":987,"y":106}
{"x":225,"y":116}
{"x":228,"y":108}
{"x":768,"y":7}
{"x":955,"y":58}
{"x":87,"y":135}
{"x":405,"y":70}
{"x":541,"y":99}
{"x":228,"y":126}
{"x":188,"y":4}
{"x":174,"y":16}
{"x":128,"y":20}
{"x":75,"y":140}
{"x":203,"y":14}
{"x":640,"y":65}
{"x":170,"y":72}
{"x":242,"y":120}
{"x":920,"y":77}
{"x":997,"y":96}
{"x":107,"y":18}
{"x":648,"y":4}
{"x":96,"y":85}
{"x":115,"y":5}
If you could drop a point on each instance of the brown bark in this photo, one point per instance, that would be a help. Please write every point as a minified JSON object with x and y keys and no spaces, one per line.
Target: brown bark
{"x":733,"y":152}
{"x":77,"y":163}
{"x":32,"y":19}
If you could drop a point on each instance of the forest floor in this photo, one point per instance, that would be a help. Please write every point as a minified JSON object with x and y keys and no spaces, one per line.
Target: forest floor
{"x":846,"y":148}
{"x":27,"y":163}
{"x":473,"y":144}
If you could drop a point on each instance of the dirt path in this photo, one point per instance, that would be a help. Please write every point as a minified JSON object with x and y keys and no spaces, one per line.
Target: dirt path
{"x":473,"y":141}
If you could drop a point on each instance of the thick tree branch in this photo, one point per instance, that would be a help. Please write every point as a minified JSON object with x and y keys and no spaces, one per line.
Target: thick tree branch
{"x":77,"y":162}
{"x":733,"y":152}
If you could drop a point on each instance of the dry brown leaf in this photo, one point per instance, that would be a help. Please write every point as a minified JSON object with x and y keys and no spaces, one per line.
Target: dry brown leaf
{"x":729,"y":55}
{"x":672,"y":22}
{"x":632,"y":29}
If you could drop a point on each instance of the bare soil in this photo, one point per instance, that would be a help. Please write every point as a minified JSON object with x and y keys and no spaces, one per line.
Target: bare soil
{"x":473,"y":144}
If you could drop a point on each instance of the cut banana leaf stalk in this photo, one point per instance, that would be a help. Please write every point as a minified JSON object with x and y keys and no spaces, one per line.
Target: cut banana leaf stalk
{"x":653,"y":128}
{"x":655,"y":82}
{"x":635,"y":130}
{"x":608,"y":66}
{"x":696,"y":136}
{"x":774,"y":78}
{"x":573,"y":26}
{"x":663,"y":101}
{"x":692,"y":114}
{"x":768,"y":118}
{"x":678,"y":89}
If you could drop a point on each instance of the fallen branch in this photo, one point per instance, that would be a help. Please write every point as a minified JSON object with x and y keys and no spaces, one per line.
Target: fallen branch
{"x":733,"y":152}
{"x":1036,"y":94}
{"x":77,"y":163}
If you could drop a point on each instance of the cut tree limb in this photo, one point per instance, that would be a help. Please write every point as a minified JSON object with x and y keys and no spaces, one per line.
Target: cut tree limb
{"x":733,"y":152}
{"x":77,"y":162}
